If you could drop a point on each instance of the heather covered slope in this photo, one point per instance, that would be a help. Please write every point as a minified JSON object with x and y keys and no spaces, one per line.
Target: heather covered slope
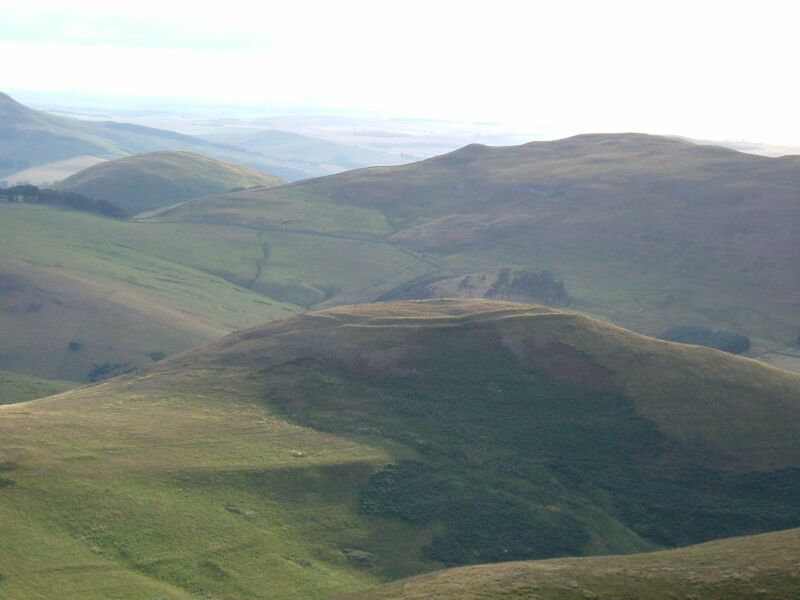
{"x":648,"y":231}
{"x":761,"y":566}
{"x":335,"y":450}
{"x":149,"y":181}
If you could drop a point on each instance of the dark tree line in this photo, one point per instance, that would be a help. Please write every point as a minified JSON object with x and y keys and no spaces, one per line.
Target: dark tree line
{"x":34,"y":195}
{"x":728,"y":341}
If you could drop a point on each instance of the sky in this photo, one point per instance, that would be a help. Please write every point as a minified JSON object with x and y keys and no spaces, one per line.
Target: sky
{"x":704,"y":69}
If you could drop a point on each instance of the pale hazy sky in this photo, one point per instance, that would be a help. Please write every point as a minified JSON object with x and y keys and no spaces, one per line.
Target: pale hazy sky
{"x":719,"y":70}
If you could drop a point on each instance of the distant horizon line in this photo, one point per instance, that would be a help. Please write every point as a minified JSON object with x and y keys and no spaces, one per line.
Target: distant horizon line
{"x":60,"y":100}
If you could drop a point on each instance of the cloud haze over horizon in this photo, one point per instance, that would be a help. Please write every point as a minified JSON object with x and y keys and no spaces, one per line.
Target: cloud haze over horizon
{"x":716,"y":70}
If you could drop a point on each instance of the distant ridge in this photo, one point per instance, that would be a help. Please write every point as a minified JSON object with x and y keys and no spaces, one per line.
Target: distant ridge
{"x":38,"y":138}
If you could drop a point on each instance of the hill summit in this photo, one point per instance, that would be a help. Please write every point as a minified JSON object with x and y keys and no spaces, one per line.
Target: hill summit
{"x":150,"y":181}
{"x":333,"y":450}
{"x":650,"y":232}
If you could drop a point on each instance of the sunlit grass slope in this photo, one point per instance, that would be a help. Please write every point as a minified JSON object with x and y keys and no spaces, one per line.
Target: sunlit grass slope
{"x":77,"y":291}
{"x":762,"y":566}
{"x":149,"y":181}
{"x":647,"y":231}
{"x":336,"y":450}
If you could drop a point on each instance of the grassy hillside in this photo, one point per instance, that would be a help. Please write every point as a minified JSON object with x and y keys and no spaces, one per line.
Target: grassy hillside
{"x":650,"y":232}
{"x":335,"y":450}
{"x":149,"y":181}
{"x":129,"y":291}
{"x":763,"y":566}
{"x":79,"y":292}
{"x":19,"y":388}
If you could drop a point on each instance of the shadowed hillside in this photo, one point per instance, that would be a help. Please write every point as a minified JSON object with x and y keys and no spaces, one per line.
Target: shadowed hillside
{"x":149,"y":181}
{"x":650,"y":232}
{"x":336,"y":450}
{"x":19,"y":388}
{"x":30,"y":138}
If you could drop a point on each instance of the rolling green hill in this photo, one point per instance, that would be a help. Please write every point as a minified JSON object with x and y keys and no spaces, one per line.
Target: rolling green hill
{"x":762,"y":566}
{"x":649,"y":232}
{"x":336,"y":450}
{"x":149,"y":181}
{"x":128,"y":291}
{"x":82,"y":296}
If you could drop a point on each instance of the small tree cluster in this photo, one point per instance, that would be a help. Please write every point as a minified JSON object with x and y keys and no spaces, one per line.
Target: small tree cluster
{"x":32,"y":194}
{"x":541,"y":286}
{"x":728,"y":341}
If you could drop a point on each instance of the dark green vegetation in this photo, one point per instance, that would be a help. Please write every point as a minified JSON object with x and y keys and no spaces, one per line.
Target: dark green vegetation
{"x":71,"y":200}
{"x":606,"y":224}
{"x":149,"y":181}
{"x":647,"y":231}
{"x":335,"y":450}
{"x":101,"y":371}
{"x":762,"y":566}
{"x":553,"y":429}
{"x":727,"y":341}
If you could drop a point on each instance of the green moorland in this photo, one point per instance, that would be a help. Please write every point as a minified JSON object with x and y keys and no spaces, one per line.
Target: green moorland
{"x":79,"y":292}
{"x":336,"y":450}
{"x":646,"y":231}
{"x":19,"y":388}
{"x":154,"y":180}
{"x":760,"y":566}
